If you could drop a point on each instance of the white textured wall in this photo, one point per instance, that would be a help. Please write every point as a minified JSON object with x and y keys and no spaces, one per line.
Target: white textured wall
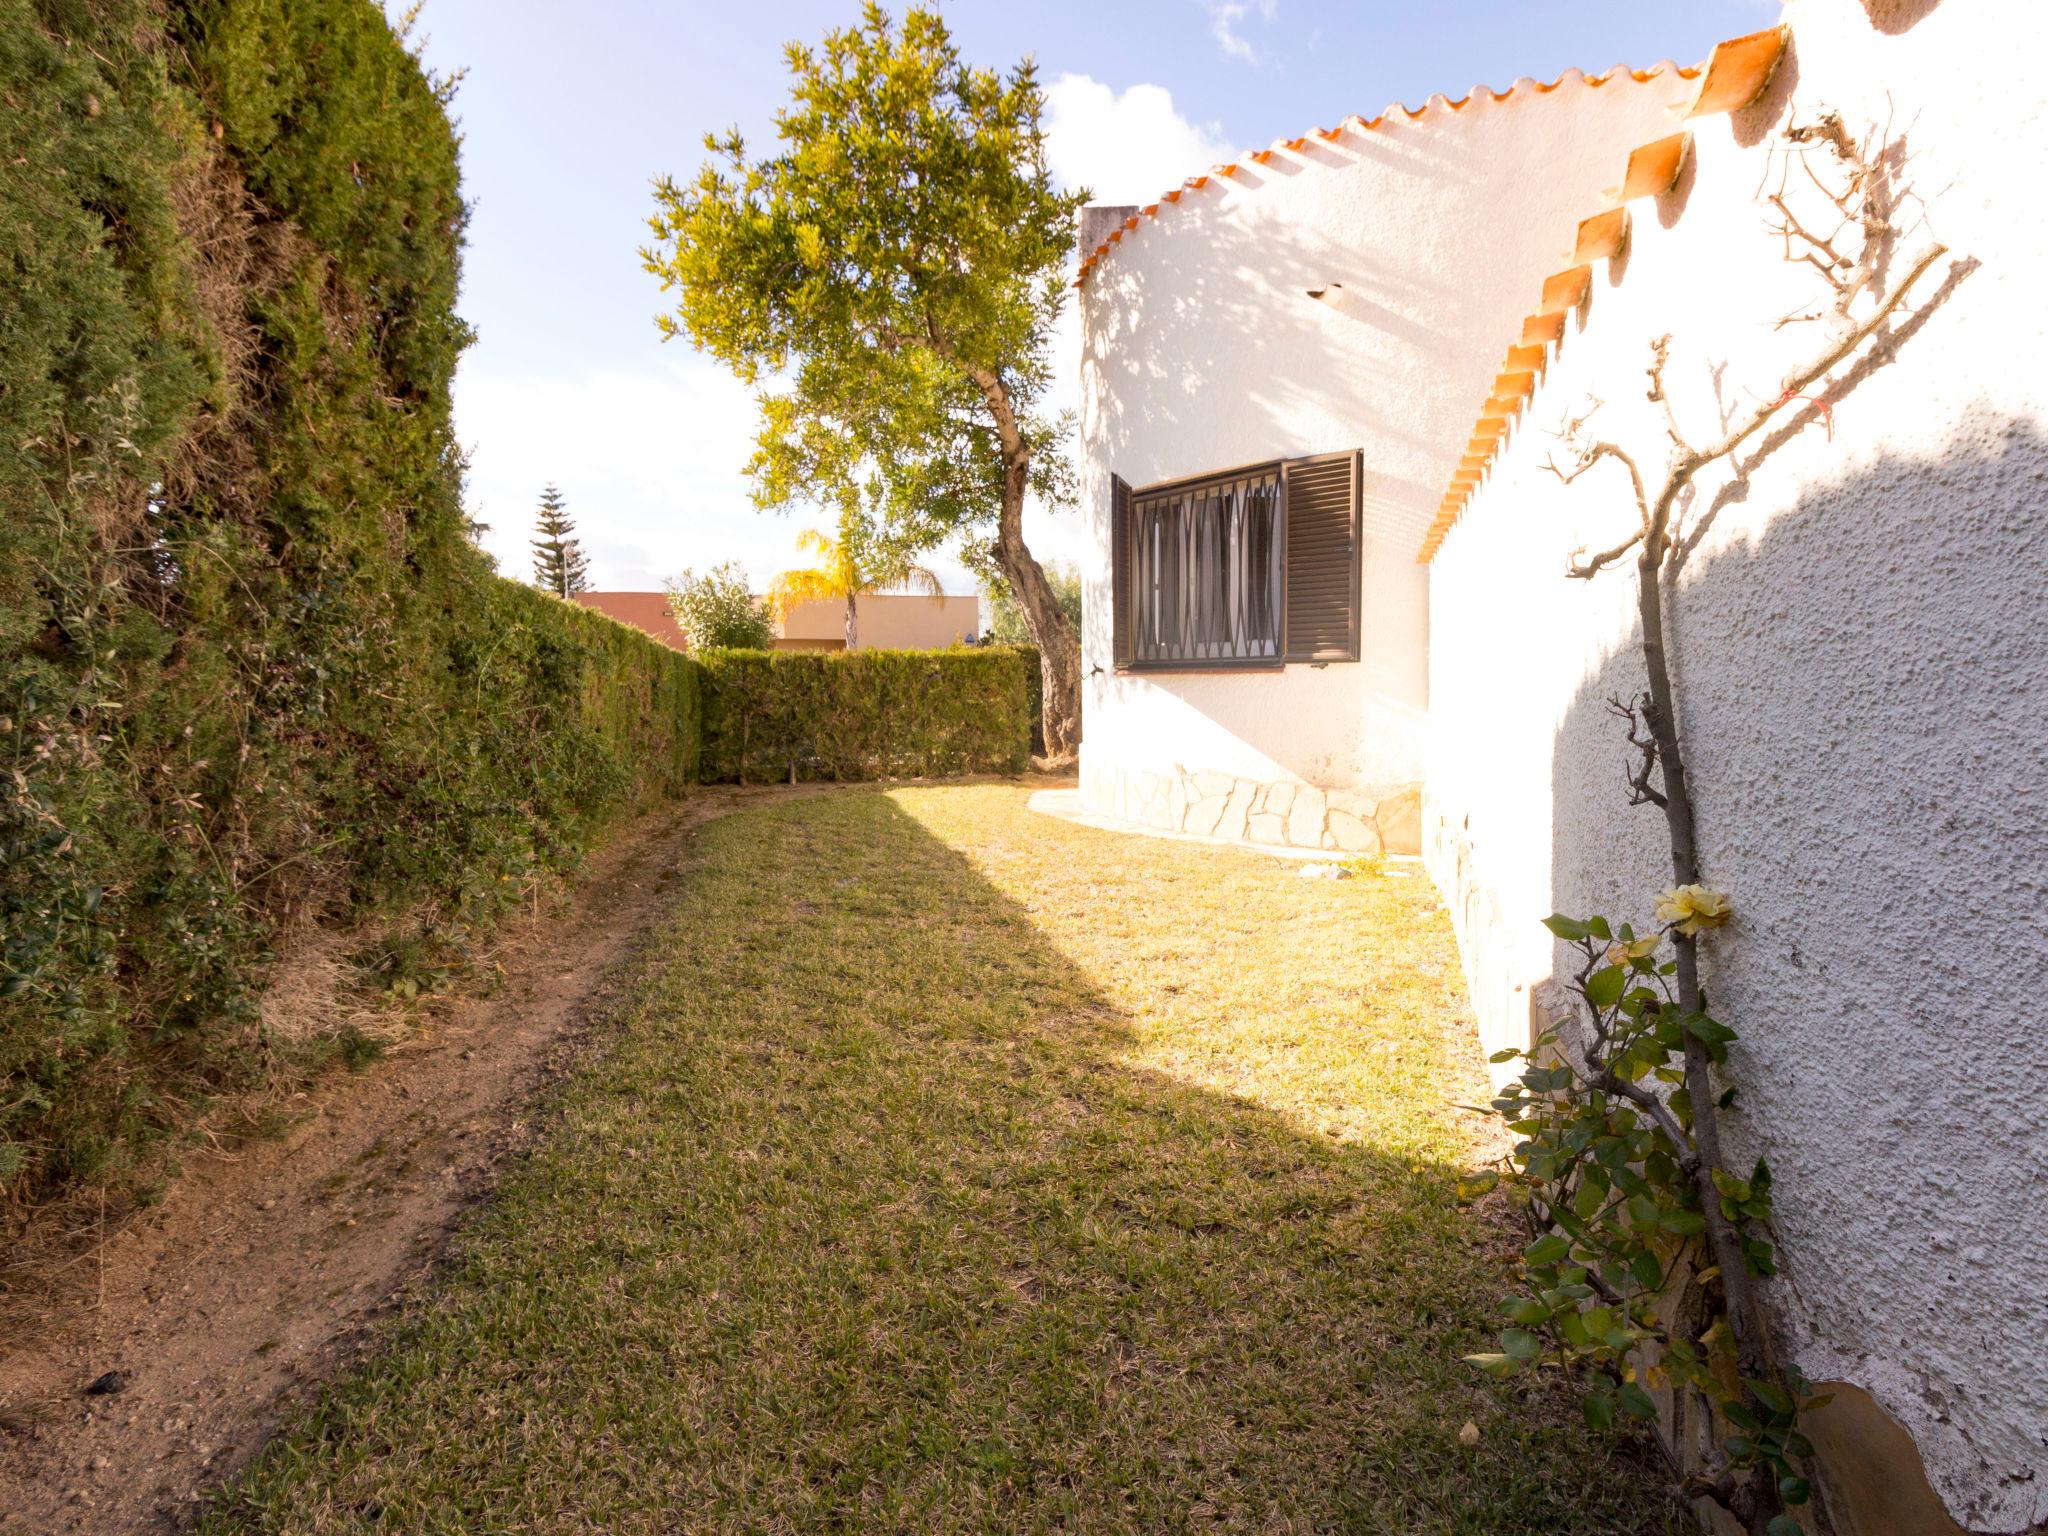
{"x":1861,"y":641}
{"x":1201,"y":350}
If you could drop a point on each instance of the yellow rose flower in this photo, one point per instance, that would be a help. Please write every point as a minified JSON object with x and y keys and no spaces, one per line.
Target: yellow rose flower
{"x":1689,"y":908}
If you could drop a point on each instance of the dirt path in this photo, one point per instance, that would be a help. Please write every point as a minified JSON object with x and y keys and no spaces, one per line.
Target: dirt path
{"x":254,"y":1279}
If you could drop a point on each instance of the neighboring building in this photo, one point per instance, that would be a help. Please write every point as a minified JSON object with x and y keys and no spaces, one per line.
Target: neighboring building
{"x":888,"y":621}
{"x":645,"y":611}
{"x":1858,"y":622}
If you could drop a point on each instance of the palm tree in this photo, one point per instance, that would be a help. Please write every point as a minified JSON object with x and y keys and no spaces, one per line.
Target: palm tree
{"x":849,"y":568}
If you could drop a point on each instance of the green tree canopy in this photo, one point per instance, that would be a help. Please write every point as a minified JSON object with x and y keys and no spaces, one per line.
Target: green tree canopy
{"x":897,"y":264}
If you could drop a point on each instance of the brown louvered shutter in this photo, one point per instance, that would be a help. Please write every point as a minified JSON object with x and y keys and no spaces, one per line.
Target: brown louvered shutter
{"x":1323,"y":556}
{"x":1120,"y":594}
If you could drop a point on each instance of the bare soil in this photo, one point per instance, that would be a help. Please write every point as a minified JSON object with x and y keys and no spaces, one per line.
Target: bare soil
{"x":256,"y":1277}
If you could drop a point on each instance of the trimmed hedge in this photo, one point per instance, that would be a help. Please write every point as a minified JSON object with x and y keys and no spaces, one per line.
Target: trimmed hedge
{"x":253,"y":672}
{"x":772,"y":716}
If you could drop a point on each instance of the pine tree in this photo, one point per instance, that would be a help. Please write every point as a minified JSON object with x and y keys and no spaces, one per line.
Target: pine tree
{"x":559,"y":564}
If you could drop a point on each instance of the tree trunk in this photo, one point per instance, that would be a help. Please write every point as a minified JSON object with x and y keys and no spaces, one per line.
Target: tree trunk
{"x":1724,"y":1238}
{"x":852,"y":621}
{"x":1059,"y":648}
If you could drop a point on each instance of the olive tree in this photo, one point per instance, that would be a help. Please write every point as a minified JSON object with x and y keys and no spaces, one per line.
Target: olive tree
{"x":894,"y":267}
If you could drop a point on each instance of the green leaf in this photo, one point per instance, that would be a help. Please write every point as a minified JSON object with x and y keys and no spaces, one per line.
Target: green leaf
{"x":1599,"y":1410}
{"x":1635,"y":1402}
{"x":1495,"y":1365}
{"x":1708,"y":1031}
{"x":1684,"y":1223}
{"x":1773,"y":1397}
{"x":1784,"y":1525}
{"x":1472,"y":1186}
{"x":1587,"y":1202}
{"x":1604,"y":987}
{"x":1521,"y":1344}
{"x":1797,"y":1490}
{"x":1567,"y":927}
{"x":1546,"y":1250}
{"x":1507,"y":1055}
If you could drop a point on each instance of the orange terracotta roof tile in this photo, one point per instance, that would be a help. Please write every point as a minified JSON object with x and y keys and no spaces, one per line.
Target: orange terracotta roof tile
{"x":1738,"y":73}
{"x":1602,"y":237}
{"x":1565,"y":290}
{"x":1397,"y":114}
{"x":1653,"y":168}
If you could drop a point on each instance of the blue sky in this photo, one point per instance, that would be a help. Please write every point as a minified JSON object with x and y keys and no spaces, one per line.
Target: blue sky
{"x":568,"y":112}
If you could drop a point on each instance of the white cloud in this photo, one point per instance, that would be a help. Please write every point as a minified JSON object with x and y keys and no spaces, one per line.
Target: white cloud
{"x":651,"y":458}
{"x":1224,"y":19}
{"x":1125,"y":147}
{"x":651,"y":462}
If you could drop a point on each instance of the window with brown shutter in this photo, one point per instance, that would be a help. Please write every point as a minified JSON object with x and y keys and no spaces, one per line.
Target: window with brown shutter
{"x":1322,"y":556}
{"x":1253,"y":567}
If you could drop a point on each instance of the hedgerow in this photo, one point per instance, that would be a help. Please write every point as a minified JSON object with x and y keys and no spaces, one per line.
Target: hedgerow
{"x":778,"y":715}
{"x":254,"y":674}
{"x":256,"y":680}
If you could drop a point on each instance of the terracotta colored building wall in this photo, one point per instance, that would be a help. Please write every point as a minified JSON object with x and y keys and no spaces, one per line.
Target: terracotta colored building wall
{"x":887,"y":622}
{"x":645,"y":611}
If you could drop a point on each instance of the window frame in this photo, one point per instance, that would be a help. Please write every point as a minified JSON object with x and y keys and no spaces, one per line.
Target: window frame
{"x":1124,"y":501}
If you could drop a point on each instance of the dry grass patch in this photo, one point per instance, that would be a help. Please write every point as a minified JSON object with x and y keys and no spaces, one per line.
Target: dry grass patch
{"x":962,"y":1170}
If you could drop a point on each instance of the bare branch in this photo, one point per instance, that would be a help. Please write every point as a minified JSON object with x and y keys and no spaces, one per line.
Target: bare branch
{"x":1794,"y":228}
{"x":1585,"y":570}
{"x":1606,"y":450}
{"x":1803,"y":378}
{"x":1660,"y":355}
{"x":1642,"y":736}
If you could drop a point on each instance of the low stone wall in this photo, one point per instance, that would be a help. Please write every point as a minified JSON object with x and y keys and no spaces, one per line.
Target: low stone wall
{"x":1282,"y":813}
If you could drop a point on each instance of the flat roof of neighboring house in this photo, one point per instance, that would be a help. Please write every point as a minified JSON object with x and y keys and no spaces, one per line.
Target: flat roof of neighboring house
{"x":888,"y":620}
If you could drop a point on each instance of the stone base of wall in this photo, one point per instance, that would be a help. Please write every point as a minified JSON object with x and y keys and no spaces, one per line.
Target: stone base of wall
{"x":1279,"y":814}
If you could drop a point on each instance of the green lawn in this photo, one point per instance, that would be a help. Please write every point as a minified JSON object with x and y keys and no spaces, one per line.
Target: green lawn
{"x":956,"y":1169}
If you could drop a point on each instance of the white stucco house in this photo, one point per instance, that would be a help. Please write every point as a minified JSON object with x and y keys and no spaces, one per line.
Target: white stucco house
{"x":1322,"y":389}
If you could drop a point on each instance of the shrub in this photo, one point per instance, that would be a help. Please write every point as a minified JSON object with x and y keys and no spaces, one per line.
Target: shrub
{"x":776,"y":715}
{"x":253,"y":672}
{"x":1037,"y":676}
{"x":718,"y":610}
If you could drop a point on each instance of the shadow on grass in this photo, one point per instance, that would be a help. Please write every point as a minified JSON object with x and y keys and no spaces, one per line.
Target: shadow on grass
{"x":895,"y":1206}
